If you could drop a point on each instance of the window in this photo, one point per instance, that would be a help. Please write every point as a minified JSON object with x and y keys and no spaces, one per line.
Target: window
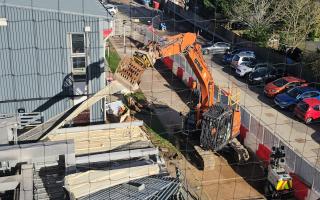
{"x":78,"y":56}
{"x":78,"y":62}
{"x":293,"y":84}
{"x":77,"y":43}
{"x":236,"y":58}
{"x":314,"y":94}
{"x":317,"y":107}
{"x":245,"y":59}
{"x":281,"y":82}
{"x":307,"y":94}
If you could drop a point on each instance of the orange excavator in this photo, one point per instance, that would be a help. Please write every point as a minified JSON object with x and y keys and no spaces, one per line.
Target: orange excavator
{"x":219,"y":124}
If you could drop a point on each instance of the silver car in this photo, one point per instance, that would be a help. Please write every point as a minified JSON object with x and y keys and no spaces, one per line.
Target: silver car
{"x":243,"y":56}
{"x":216,"y":48}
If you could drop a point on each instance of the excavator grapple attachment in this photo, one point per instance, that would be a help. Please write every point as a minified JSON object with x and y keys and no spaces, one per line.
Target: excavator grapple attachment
{"x":217,"y":131}
{"x":216,"y":127}
{"x":130,"y":69}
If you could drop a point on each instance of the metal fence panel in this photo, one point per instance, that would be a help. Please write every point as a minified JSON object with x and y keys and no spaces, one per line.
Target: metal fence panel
{"x":254,"y":126}
{"x":269,"y":139}
{"x":260,"y":132}
{"x":316,"y":182}
{"x":245,"y":118}
{"x":290,"y":158}
{"x":305,"y":170}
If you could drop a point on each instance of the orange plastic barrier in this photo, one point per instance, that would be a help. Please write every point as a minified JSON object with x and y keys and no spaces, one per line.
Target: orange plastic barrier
{"x":156,"y":5}
{"x":300,"y":189}
{"x":243,"y":133}
{"x":263,"y":154}
{"x":190,"y":81}
{"x":180,"y":73}
{"x":168,"y":62}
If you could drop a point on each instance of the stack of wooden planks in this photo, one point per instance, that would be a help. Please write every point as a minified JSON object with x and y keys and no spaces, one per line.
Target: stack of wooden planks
{"x":85,"y":183}
{"x":95,"y":141}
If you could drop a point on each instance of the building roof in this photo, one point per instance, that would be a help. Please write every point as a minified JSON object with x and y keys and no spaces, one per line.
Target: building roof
{"x":83,"y":7}
{"x":156,"y":187}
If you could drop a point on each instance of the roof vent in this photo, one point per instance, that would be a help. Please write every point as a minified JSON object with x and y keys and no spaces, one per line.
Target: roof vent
{"x":134,"y":186}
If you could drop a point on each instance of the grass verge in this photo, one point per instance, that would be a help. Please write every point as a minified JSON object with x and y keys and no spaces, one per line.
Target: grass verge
{"x":163,"y":143}
{"x":113,"y":59}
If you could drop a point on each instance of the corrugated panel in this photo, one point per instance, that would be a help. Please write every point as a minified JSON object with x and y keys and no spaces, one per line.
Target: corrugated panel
{"x":316,"y":182}
{"x":269,"y":139}
{"x":39,"y":60}
{"x":245,"y":117}
{"x":290,"y":158}
{"x":155,"y":187}
{"x":305,"y":170}
{"x":88,"y":7}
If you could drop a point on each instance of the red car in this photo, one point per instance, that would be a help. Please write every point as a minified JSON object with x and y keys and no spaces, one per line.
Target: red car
{"x":308,"y":110}
{"x":282,"y":84}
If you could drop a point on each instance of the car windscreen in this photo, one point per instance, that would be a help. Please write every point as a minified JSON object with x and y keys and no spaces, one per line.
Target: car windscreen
{"x":294,"y":92}
{"x":248,"y":64}
{"x":303,"y":106}
{"x":236,"y":58}
{"x":280,"y":82}
{"x":236,"y":51}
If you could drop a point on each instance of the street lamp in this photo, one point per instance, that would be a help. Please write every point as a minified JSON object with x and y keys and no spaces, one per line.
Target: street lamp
{"x":87,"y":30}
{"x":151,"y":23}
{"x":124,"y":36}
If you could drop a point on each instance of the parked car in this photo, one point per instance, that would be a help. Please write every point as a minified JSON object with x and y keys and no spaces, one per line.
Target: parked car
{"x":244,"y":56}
{"x":112,"y":9}
{"x":228,"y":55}
{"x":265,"y":74}
{"x":282,"y":84}
{"x":245,"y":68}
{"x":293,"y":96}
{"x":308,"y":110}
{"x":216,"y":48}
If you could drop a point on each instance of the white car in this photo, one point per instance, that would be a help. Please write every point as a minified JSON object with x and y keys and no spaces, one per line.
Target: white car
{"x":243,"y":56}
{"x":245,"y":68}
{"x":112,"y":9}
{"x":216,"y":48}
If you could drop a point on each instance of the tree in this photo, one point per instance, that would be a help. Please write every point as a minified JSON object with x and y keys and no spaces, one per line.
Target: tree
{"x":259,"y":15}
{"x":300,"y":17}
{"x":312,"y":60}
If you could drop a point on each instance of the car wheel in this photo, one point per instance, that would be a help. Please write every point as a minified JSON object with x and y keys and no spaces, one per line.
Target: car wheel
{"x":291,"y":108}
{"x":308,"y":120}
{"x":246,"y":76}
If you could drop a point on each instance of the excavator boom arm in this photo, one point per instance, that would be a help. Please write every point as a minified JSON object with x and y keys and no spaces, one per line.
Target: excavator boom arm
{"x":186,"y":43}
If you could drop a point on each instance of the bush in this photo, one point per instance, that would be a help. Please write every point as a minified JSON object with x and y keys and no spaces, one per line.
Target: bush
{"x":260,"y":35}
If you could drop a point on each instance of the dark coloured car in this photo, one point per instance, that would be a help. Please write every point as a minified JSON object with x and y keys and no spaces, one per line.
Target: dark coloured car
{"x":293,"y":96}
{"x":265,"y":75}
